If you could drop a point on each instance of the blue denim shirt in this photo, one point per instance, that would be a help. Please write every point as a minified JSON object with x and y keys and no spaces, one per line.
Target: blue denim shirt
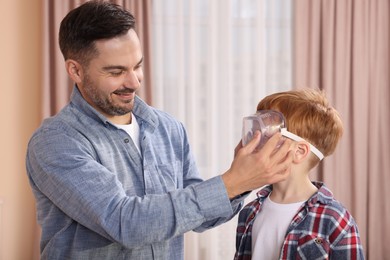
{"x":98,"y":198}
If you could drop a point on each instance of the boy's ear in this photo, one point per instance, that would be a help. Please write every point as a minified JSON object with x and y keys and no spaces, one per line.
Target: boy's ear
{"x":301,"y":152}
{"x":75,"y":70}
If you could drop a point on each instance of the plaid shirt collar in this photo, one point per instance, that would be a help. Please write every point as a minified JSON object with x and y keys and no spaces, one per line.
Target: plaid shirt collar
{"x":323,"y":196}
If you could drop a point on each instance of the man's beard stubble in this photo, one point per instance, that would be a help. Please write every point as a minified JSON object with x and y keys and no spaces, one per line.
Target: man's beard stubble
{"x":105,"y":104}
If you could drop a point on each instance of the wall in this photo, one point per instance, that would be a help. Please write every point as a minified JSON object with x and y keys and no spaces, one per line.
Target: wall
{"x":20,"y":77}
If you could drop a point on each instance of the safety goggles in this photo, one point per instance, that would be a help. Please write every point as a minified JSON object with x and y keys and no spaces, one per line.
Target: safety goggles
{"x":269,"y":122}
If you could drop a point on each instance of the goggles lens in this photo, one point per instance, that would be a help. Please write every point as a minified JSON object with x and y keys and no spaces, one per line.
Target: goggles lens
{"x":268,"y":122}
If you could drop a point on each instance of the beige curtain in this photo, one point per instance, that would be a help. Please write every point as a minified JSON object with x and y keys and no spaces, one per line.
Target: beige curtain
{"x":56,"y":83}
{"x":343,"y":48}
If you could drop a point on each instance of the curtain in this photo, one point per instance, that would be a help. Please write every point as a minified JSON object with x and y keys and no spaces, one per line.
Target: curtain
{"x":343,"y":48}
{"x":213,"y":60}
{"x":57,"y":86}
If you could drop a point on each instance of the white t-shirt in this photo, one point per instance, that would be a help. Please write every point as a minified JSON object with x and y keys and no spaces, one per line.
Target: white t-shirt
{"x":133,"y":131}
{"x":270,"y":227}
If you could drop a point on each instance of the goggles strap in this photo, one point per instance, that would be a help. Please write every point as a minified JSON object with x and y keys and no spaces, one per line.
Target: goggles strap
{"x":294,"y":137}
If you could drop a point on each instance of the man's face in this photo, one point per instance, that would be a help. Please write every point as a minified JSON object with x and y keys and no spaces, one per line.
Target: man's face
{"x":112,"y":77}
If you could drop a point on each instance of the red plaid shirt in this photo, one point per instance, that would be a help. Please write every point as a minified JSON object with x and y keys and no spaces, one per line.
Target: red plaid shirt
{"x":322,"y":229}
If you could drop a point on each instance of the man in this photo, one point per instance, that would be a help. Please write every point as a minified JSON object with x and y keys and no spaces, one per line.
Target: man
{"x":115,"y":178}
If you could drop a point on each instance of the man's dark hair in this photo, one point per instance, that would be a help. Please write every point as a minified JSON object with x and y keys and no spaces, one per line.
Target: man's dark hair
{"x":94,"y":20}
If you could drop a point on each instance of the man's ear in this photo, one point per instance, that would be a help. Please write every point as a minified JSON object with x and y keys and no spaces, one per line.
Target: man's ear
{"x":301,"y":152}
{"x":75,"y":70}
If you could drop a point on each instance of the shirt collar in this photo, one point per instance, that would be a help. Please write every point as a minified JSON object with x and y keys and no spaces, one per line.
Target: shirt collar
{"x":322,"y":196}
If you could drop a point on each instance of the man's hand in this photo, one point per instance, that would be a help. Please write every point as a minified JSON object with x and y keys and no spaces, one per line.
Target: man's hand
{"x":252,"y":169}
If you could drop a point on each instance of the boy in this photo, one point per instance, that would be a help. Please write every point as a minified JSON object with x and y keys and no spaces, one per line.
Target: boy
{"x":297,"y":218}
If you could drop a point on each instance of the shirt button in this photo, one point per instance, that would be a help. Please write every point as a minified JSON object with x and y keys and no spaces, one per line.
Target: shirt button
{"x":318,"y":241}
{"x":127,"y":140}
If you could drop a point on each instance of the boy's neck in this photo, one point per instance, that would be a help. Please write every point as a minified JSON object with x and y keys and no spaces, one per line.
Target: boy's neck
{"x":295,"y":189}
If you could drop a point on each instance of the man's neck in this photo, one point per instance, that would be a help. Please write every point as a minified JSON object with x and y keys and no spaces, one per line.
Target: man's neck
{"x":120,"y":120}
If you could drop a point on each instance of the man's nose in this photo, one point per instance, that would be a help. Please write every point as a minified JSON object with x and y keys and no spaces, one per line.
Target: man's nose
{"x":133,"y":80}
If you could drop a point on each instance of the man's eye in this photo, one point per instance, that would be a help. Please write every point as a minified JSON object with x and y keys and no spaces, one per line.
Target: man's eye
{"x":116,"y":73}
